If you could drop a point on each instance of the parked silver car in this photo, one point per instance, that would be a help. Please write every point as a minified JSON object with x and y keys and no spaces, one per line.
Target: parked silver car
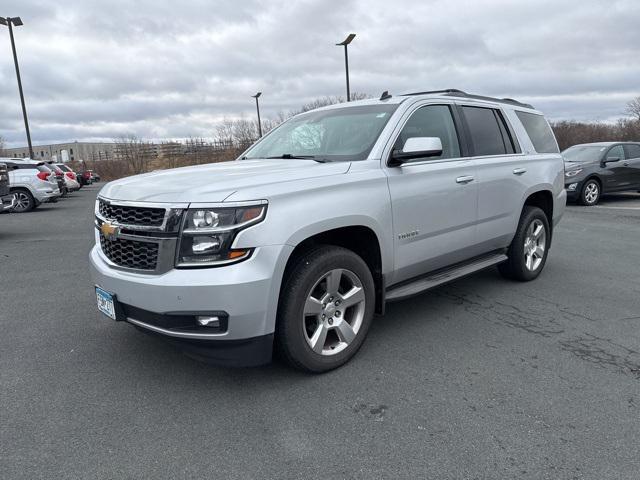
{"x":326,"y":219}
{"x":32,"y":183}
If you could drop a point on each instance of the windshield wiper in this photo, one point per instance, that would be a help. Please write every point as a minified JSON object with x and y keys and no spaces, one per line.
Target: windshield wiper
{"x":289,"y":156}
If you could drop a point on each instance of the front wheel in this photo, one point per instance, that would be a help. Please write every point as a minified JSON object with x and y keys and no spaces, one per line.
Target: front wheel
{"x":528,"y":251}
{"x":326,"y":308}
{"x":590,"y":194}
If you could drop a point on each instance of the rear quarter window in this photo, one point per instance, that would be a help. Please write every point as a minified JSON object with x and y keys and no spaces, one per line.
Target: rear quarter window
{"x":539,"y":132}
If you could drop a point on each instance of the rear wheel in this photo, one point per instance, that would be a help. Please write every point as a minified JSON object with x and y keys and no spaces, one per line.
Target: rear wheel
{"x":24,"y":201}
{"x":326,"y":308}
{"x":590,"y":194}
{"x":528,"y":251}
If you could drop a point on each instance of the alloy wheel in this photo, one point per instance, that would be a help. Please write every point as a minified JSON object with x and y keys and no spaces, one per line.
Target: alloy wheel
{"x":22,"y":202}
{"x":534,"y":245}
{"x":333,"y":312}
{"x":591,"y":192}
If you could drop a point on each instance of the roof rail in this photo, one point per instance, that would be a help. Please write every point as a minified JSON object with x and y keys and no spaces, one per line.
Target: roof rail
{"x":454,"y":92}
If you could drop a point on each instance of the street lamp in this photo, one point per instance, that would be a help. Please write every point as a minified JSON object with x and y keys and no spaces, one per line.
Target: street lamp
{"x":346,"y":42}
{"x":256,"y":96}
{"x":10,"y":22}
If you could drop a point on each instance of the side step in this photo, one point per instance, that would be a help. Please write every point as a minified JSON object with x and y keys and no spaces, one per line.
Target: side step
{"x":443,"y":276}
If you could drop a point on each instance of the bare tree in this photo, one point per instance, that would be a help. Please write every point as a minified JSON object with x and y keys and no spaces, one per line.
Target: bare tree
{"x":135,"y":153}
{"x":633,"y":108}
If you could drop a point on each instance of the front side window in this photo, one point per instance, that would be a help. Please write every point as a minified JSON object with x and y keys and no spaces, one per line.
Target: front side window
{"x":485,"y":131}
{"x":432,"y":121}
{"x":616,"y":152}
{"x":338,"y":134}
{"x":539,"y":132}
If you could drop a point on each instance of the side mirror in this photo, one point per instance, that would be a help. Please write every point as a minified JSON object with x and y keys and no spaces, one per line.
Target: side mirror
{"x":417,"y":147}
{"x":610,"y":160}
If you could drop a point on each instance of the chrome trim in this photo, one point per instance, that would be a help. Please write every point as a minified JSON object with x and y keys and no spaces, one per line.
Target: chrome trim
{"x":171,"y":211}
{"x":173,"y":333}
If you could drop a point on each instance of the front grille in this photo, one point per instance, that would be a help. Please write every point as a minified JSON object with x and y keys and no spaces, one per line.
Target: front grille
{"x":130,"y":253}
{"x":140,"y":216}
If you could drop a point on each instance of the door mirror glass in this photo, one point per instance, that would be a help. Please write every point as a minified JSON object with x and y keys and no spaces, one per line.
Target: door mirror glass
{"x":418,"y":147}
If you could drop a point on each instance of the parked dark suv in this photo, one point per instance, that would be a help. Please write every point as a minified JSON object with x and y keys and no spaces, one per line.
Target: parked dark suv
{"x":592,"y":169}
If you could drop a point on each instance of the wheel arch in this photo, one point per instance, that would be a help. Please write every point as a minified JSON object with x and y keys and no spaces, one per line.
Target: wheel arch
{"x":360,"y":239}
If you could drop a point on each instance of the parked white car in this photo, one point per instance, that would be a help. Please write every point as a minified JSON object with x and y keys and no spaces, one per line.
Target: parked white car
{"x":70,"y":178}
{"x":32,"y":183}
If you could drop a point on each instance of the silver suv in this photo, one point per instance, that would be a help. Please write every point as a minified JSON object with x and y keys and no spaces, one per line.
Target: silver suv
{"x":326,"y":219}
{"x":32,"y":183}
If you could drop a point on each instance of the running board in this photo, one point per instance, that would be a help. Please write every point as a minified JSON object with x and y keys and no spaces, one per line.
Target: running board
{"x":443,"y":276}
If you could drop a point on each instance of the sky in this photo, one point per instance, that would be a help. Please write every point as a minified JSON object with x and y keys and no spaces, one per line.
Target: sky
{"x":97,"y":70}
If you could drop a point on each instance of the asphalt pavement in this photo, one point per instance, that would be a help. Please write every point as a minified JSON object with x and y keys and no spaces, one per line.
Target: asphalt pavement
{"x":480,"y":379}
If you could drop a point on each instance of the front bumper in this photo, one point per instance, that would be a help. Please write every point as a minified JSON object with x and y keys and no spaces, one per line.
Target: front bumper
{"x":247,"y":292}
{"x":573,"y":190}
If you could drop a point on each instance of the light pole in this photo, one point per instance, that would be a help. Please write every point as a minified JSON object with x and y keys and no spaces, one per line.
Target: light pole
{"x":256,"y":96}
{"x":9,"y":22}
{"x":346,"y":42}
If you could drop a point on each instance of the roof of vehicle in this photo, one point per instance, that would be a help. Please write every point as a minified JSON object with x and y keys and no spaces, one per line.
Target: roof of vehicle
{"x":448,"y":94}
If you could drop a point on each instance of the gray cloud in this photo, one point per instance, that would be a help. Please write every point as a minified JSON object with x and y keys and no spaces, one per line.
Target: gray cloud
{"x":97,"y":69}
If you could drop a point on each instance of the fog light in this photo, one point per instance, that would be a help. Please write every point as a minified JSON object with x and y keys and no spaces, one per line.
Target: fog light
{"x":209,"y":321}
{"x":572,"y":187}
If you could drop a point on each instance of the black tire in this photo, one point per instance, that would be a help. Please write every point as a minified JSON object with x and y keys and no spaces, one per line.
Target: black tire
{"x":24,"y":201}
{"x":293,"y":327}
{"x":516,"y":267}
{"x":587,"y":197}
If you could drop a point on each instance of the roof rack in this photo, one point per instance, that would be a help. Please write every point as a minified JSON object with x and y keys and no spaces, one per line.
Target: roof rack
{"x":454,"y":92}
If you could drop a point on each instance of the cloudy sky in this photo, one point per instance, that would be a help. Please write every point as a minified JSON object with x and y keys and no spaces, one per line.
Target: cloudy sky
{"x":159,"y":69}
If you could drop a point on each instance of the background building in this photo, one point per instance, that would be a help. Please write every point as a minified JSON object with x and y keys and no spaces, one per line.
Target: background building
{"x":67,"y":152}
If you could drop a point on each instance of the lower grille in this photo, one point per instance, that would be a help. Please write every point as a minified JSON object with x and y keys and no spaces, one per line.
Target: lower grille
{"x":130,"y":253}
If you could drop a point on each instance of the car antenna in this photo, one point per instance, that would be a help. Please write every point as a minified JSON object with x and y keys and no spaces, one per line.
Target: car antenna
{"x":385,"y":95}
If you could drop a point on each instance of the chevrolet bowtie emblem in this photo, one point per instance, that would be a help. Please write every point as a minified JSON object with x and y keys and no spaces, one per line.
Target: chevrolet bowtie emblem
{"x":109,"y":231}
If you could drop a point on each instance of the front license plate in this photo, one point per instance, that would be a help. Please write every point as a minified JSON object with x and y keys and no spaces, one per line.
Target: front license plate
{"x":105,"y":303}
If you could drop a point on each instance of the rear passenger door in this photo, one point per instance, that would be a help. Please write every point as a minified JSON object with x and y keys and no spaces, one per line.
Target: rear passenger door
{"x":501,"y":171}
{"x":632,"y":152}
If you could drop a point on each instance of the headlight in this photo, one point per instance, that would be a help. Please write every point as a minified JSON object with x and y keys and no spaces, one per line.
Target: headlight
{"x":572,"y":173}
{"x":207,"y":234}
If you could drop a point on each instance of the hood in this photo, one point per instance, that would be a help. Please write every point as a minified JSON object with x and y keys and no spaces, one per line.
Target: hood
{"x":217,"y":181}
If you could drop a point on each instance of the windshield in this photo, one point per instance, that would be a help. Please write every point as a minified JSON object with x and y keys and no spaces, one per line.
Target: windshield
{"x":584,"y":153}
{"x":342,"y":134}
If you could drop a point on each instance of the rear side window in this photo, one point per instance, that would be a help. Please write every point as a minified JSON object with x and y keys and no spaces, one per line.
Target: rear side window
{"x":42,"y":168}
{"x":633,"y":151}
{"x":539,"y":132}
{"x":486,"y":132}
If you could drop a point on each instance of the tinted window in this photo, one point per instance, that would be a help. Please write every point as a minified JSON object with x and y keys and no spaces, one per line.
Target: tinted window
{"x":616,"y":152}
{"x":485,"y":131}
{"x":633,"y":151}
{"x":539,"y":132}
{"x":432,"y":121}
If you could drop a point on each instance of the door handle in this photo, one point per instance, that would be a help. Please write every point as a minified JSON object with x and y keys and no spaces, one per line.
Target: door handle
{"x":465,"y":179}
{"x":519,"y":171}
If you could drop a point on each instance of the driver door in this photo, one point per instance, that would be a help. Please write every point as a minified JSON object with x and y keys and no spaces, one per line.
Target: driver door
{"x":433,"y":199}
{"x":618,"y":173}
